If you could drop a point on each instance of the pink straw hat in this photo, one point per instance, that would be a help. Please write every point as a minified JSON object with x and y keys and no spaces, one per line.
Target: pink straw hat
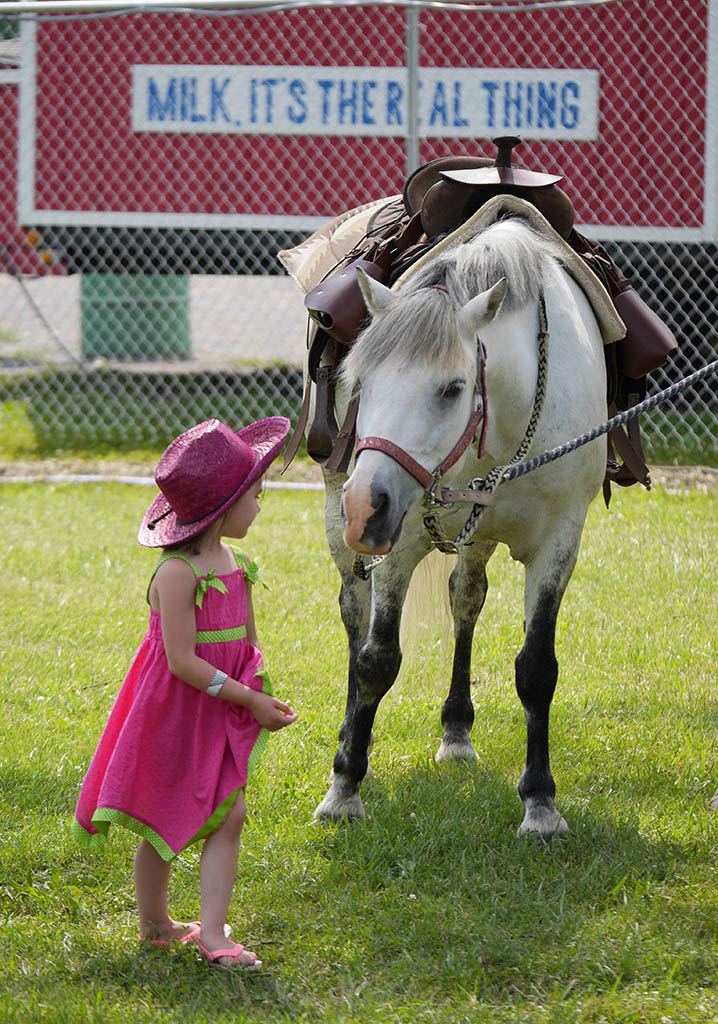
{"x":203,"y":472}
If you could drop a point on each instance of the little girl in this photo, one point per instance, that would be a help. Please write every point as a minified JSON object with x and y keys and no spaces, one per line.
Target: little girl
{"x":193,"y":715}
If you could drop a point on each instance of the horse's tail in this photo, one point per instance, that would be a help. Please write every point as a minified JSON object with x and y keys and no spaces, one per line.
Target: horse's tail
{"x":426,"y":619}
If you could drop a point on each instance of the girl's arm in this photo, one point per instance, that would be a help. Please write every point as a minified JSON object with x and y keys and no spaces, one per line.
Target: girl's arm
{"x":174,"y":589}
{"x":251,"y":628}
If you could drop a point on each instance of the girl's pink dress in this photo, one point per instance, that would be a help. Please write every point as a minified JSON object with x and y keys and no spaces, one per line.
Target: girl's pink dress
{"x":171,"y":758}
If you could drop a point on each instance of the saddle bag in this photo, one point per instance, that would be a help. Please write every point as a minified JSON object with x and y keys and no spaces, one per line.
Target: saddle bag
{"x":648,"y":341}
{"x":337,"y":304}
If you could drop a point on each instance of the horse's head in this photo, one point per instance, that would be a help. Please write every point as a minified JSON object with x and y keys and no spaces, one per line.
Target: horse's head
{"x":417,"y":365}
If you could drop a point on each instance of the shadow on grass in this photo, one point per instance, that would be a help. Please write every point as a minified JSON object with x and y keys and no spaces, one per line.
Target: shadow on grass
{"x":455,"y":901}
{"x":432,"y":902}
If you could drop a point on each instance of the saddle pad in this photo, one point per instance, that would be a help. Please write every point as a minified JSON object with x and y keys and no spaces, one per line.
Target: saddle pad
{"x":310,"y":261}
{"x":610,"y":324}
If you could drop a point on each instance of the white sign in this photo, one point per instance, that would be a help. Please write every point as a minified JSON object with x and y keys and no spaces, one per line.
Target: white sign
{"x":453,"y":102}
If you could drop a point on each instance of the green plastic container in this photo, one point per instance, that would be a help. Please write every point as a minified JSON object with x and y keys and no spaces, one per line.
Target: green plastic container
{"x":132,"y":317}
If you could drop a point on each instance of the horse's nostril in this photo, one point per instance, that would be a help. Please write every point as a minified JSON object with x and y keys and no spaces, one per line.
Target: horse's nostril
{"x":379,"y":500}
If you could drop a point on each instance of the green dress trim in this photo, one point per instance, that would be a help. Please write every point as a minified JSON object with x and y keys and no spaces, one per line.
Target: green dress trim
{"x":221,"y":636}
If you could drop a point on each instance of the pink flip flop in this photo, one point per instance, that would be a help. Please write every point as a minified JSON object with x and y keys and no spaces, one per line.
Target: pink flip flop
{"x":189,"y":935}
{"x":233,"y":951}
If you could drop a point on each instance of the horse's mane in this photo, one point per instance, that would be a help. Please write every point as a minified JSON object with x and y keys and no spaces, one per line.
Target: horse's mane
{"x":422,"y":326}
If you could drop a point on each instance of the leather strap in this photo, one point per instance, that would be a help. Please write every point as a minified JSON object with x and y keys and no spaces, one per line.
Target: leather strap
{"x":298,"y":433}
{"x":447,"y":496}
{"x":338,"y":461}
{"x":463,"y":443}
{"x":424,"y":477}
{"x":382,"y":444}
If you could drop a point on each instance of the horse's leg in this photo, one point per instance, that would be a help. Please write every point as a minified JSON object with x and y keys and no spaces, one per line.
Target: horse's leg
{"x":467,"y":591}
{"x":547,"y":575}
{"x":376,"y":667}
{"x":355,"y":593}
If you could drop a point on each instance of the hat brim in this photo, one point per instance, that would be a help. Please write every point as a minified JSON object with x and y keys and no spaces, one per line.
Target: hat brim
{"x":266,"y":438}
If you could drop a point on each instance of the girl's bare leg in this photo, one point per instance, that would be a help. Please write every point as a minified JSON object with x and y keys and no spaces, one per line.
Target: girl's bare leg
{"x":152,"y":875}
{"x":218,"y":868}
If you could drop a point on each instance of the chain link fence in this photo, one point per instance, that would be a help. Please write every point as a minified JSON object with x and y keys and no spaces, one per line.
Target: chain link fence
{"x":154,"y":163}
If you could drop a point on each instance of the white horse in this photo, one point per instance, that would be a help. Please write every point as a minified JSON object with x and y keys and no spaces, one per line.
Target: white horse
{"x":464,"y":328}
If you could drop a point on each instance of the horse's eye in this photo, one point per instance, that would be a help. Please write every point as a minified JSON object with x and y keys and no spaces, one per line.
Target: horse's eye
{"x":453,"y":390}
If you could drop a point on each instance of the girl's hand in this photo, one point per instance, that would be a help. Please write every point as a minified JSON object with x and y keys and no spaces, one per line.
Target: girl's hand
{"x":271,"y":713}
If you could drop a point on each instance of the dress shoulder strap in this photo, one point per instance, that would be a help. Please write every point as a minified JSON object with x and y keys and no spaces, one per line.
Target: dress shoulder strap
{"x":165,"y":558}
{"x":251,"y":569}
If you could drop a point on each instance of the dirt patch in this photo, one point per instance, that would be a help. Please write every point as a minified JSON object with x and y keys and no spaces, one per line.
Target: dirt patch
{"x":300,"y":471}
{"x":681,"y":478}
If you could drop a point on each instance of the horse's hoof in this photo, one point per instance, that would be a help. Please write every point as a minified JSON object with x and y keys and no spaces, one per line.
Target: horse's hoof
{"x":713,"y":805}
{"x":456,"y":750}
{"x":543,"y":821}
{"x":337,"y":806}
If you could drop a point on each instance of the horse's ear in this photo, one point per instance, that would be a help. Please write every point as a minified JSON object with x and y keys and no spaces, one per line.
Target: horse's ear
{"x":377,"y":296}
{"x":482,"y":309}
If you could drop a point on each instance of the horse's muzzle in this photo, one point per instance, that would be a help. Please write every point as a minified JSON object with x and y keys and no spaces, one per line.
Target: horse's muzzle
{"x":372,"y":521}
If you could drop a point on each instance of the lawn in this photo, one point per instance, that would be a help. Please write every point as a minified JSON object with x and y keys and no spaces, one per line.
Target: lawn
{"x":432,"y":910}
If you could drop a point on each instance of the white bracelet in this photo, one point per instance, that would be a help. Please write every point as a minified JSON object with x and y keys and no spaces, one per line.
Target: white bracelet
{"x":217,"y":682}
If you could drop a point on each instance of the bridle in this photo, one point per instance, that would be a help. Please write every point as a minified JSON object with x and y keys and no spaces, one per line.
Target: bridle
{"x":431,"y":481}
{"x":479,"y":490}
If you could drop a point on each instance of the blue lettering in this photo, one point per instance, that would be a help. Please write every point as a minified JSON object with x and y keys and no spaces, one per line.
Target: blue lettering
{"x":438,"y":107}
{"x":491,"y":89}
{"x":253,"y":117}
{"x":326,"y":86}
{"x":459,"y":121}
{"x":195,"y":115}
{"x":367,"y":103}
{"x":394,"y":96}
{"x":512,"y":103}
{"x":184,"y":99}
{"x":348,"y":101}
{"x":570,"y":111}
{"x":157,"y":109}
{"x":216,"y":100}
{"x":298,"y":90}
{"x":529,"y":104}
{"x":269,"y":84}
{"x":546,"y":112}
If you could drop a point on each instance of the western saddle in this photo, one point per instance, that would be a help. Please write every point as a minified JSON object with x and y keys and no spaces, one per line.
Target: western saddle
{"x":437,"y":199}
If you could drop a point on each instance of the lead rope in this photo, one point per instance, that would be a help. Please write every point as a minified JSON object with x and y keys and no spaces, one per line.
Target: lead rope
{"x":493,"y":478}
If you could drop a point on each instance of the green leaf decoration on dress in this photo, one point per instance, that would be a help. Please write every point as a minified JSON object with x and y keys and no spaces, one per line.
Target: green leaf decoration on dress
{"x":251,"y":571}
{"x":203,"y":585}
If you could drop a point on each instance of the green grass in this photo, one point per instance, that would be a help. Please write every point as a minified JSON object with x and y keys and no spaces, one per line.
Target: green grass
{"x":431,"y":910}
{"x":115,"y":409}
